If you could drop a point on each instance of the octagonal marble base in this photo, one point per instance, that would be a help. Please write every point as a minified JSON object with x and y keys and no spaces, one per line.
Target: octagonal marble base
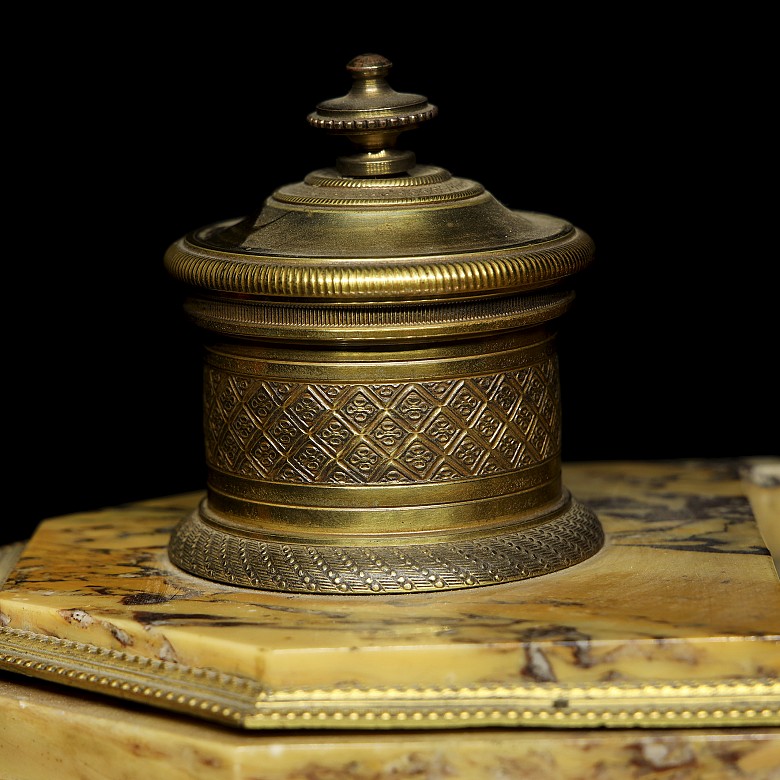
{"x":670,"y":636}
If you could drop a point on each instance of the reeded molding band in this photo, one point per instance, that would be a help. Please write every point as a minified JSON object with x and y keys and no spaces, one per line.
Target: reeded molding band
{"x":193,"y":262}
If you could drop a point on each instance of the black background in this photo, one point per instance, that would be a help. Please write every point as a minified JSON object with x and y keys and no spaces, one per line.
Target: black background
{"x":649,"y":132}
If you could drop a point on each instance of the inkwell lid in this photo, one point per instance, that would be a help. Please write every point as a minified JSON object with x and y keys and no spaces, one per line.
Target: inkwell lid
{"x":378,"y":229}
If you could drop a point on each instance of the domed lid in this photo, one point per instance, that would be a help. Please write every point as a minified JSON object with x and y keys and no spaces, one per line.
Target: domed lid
{"x":377,"y":227}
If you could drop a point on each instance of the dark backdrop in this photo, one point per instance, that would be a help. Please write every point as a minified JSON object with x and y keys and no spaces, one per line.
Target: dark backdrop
{"x":646,"y":134}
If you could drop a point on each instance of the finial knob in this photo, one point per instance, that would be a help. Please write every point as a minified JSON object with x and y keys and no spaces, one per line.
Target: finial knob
{"x":372,"y":116}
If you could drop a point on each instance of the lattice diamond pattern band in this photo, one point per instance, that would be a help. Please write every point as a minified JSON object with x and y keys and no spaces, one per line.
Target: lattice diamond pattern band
{"x":372,"y":434}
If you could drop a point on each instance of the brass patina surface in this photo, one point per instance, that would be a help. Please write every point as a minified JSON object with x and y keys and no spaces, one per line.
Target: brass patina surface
{"x":381,"y":391}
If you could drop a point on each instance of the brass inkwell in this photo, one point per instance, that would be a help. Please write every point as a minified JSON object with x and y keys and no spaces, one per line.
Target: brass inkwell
{"x":381,"y":389}
{"x":382,"y":418}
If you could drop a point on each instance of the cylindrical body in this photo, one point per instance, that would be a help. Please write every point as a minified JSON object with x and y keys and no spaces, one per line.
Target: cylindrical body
{"x":317,"y":444}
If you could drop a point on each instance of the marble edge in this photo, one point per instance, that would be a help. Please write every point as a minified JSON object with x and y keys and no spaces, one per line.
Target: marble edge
{"x":761,"y":480}
{"x":761,"y":471}
{"x":243,"y":703}
{"x":9,"y":557}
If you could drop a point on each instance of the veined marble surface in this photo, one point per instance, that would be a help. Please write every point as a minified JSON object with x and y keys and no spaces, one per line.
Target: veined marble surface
{"x":683,"y":590}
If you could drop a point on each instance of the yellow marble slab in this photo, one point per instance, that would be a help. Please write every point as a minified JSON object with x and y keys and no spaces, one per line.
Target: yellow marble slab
{"x":54,"y":733}
{"x":676,"y":621}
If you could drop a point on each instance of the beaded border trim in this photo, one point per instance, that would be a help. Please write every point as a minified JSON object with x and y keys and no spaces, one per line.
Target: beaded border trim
{"x":244,"y":703}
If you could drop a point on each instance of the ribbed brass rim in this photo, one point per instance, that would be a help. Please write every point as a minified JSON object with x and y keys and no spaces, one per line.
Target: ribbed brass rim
{"x":528,"y":267}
